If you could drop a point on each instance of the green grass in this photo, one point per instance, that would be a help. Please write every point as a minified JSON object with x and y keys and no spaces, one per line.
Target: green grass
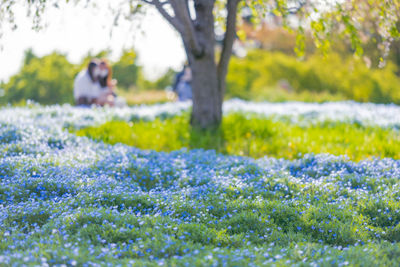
{"x":254,"y":136}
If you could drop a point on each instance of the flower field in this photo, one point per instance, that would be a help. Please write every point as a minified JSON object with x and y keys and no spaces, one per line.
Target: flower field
{"x":69,"y":200}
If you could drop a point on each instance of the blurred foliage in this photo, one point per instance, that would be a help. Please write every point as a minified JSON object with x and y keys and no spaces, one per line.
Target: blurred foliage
{"x":160,"y":84}
{"x":254,"y":136}
{"x":126,"y":71}
{"x":47,"y":79}
{"x":271,"y":37}
{"x":262,"y":74}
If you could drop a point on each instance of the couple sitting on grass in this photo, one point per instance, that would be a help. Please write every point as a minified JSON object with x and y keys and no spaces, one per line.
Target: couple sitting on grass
{"x":95,"y":86}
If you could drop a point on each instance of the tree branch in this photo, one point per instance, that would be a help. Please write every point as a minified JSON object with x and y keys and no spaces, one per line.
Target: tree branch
{"x":296,"y":9}
{"x":181,"y":21}
{"x":173,"y":20}
{"x":182,"y":12}
{"x":230,"y":35}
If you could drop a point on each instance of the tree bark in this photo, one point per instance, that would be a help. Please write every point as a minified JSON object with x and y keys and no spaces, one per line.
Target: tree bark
{"x":230,"y":36}
{"x":207,"y":107}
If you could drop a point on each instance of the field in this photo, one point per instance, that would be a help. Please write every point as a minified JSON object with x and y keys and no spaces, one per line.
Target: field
{"x":279,"y":184}
{"x":136,"y":97}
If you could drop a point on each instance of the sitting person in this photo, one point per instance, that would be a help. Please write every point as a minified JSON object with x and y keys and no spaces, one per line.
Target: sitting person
{"x":86,"y":85}
{"x":182,"y":86}
{"x":107,"y":85}
{"x":95,"y":86}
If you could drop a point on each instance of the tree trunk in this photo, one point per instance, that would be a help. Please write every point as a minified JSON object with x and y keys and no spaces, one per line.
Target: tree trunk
{"x":198,"y":36}
{"x":207,"y":104}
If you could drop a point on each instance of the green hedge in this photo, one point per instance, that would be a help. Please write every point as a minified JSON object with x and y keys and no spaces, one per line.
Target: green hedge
{"x":268,"y":76}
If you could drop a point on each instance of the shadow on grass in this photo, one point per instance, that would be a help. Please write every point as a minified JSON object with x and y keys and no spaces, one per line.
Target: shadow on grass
{"x":207,"y":139}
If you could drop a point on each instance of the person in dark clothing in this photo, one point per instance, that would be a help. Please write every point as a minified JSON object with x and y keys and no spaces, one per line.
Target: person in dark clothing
{"x":182,"y":85}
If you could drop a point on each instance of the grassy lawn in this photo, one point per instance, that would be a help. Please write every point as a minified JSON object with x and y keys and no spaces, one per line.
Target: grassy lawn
{"x":254,"y":136}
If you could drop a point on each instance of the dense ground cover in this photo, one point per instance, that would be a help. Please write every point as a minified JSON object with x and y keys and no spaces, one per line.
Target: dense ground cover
{"x":69,"y":200}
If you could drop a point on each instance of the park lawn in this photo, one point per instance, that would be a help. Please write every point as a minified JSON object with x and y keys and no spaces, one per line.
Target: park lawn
{"x":254,"y":136}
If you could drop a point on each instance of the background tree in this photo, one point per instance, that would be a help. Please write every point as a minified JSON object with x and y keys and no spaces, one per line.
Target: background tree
{"x":196,"y":20}
{"x":125,"y":70}
{"x":47,"y":80}
{"x":161,"y":83}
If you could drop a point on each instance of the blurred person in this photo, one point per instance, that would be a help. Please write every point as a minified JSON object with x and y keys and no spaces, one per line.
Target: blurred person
{"x":86,"y":85}
{"x":95,"y":86}
{"x":108,"y":86}
{"x":182,"y":86}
